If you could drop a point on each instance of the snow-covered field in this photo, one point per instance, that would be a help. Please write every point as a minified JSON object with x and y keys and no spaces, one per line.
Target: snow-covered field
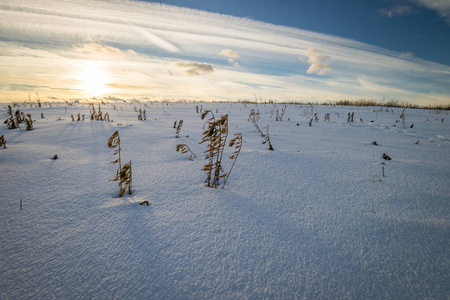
{"x":310,"y":220}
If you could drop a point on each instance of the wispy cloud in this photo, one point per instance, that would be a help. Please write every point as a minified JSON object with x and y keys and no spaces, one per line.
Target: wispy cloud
{"x":94,"y":50}
{"x":442,"y":7}
{"x":150,"y":49}
{"x":406,"y":55}
{"x":398,"y":10}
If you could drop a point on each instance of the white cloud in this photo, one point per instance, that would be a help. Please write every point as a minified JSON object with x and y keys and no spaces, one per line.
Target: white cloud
{"x":95,"y":50}
{"x":228,"y":53}
{"x":319,"y":62}
{"x":231,"y":55}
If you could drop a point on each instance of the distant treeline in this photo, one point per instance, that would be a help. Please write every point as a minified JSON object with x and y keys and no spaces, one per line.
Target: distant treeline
{"x":390,"y":103}
{"x":361,"y":102}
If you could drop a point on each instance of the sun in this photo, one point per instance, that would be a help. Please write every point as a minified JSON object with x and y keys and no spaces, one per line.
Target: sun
{"x":93,"y":79}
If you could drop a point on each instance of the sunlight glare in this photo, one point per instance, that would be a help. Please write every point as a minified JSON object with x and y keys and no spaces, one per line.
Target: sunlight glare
{"x":93,"y":80}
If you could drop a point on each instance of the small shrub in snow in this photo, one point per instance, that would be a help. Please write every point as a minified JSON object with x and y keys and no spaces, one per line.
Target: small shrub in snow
{"x":376,"y":177}
{"x":2,"y":142}
{"x":123,"y":174}
{"x":142,"y":115}
{"x":216,"y":136}
{"x":403,"y":117}
{"x":14,"y":119}
{"x":96,"y":115}
{"x":177,"y":134}
{"x":350,"y":117}
{"x":125,"y":178}
{"x":29,"y":122}
{"x":280,"y":117}
{"x":384,"y":156}
{"x":237,"y":143}
{"x":253,"y":118}
{"x":185,"y":149}
{"x":10,"y":123}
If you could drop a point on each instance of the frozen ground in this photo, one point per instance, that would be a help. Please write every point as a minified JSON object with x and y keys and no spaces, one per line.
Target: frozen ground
{"x":310,"y":220}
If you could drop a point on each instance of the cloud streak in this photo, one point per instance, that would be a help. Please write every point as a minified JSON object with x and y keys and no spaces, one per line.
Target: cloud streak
{"x":174,"y":52}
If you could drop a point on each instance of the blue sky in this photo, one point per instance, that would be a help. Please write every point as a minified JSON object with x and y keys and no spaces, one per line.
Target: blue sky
{"x":231,"y":50}
{"x":402,"y":26}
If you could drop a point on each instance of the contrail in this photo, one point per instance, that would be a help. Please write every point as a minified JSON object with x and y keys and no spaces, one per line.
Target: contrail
{"x":155,"y":40}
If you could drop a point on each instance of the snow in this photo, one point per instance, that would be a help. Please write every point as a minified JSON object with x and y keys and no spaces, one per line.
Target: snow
{"x":310,"y":220}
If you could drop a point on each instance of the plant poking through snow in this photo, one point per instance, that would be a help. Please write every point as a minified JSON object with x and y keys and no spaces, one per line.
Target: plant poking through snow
{"x":10,"y":122}
{"x":403,"y":117}
{"x":94,"y":114}
{"x":253,"y":118}
{"x":123,"y":174}
{"x":2,"y":142}
{"x":215,"y":135}
{"x":14,"y":118}
{"x":267,"y":138}
{"x":185,"y":149}
{"x":280,"y":117}
{"x":125,"y":178}
{"x":177,"y":134}
{"x":29,"y":122}
{"x":142,"y":115}
{"x":237,"y":143}
{"x":114,"y":142}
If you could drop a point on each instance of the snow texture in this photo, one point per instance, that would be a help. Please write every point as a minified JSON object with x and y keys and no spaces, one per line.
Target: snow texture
{"x":310,"y":220}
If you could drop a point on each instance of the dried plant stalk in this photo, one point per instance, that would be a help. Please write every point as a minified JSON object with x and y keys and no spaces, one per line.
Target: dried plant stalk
{"x":237,"y":143}
{"x":123,"y":174}
{"x":253,"y":118}
{"x":177,"y":134}
{"x":185,"y":149}
{"x":215,"y":135}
